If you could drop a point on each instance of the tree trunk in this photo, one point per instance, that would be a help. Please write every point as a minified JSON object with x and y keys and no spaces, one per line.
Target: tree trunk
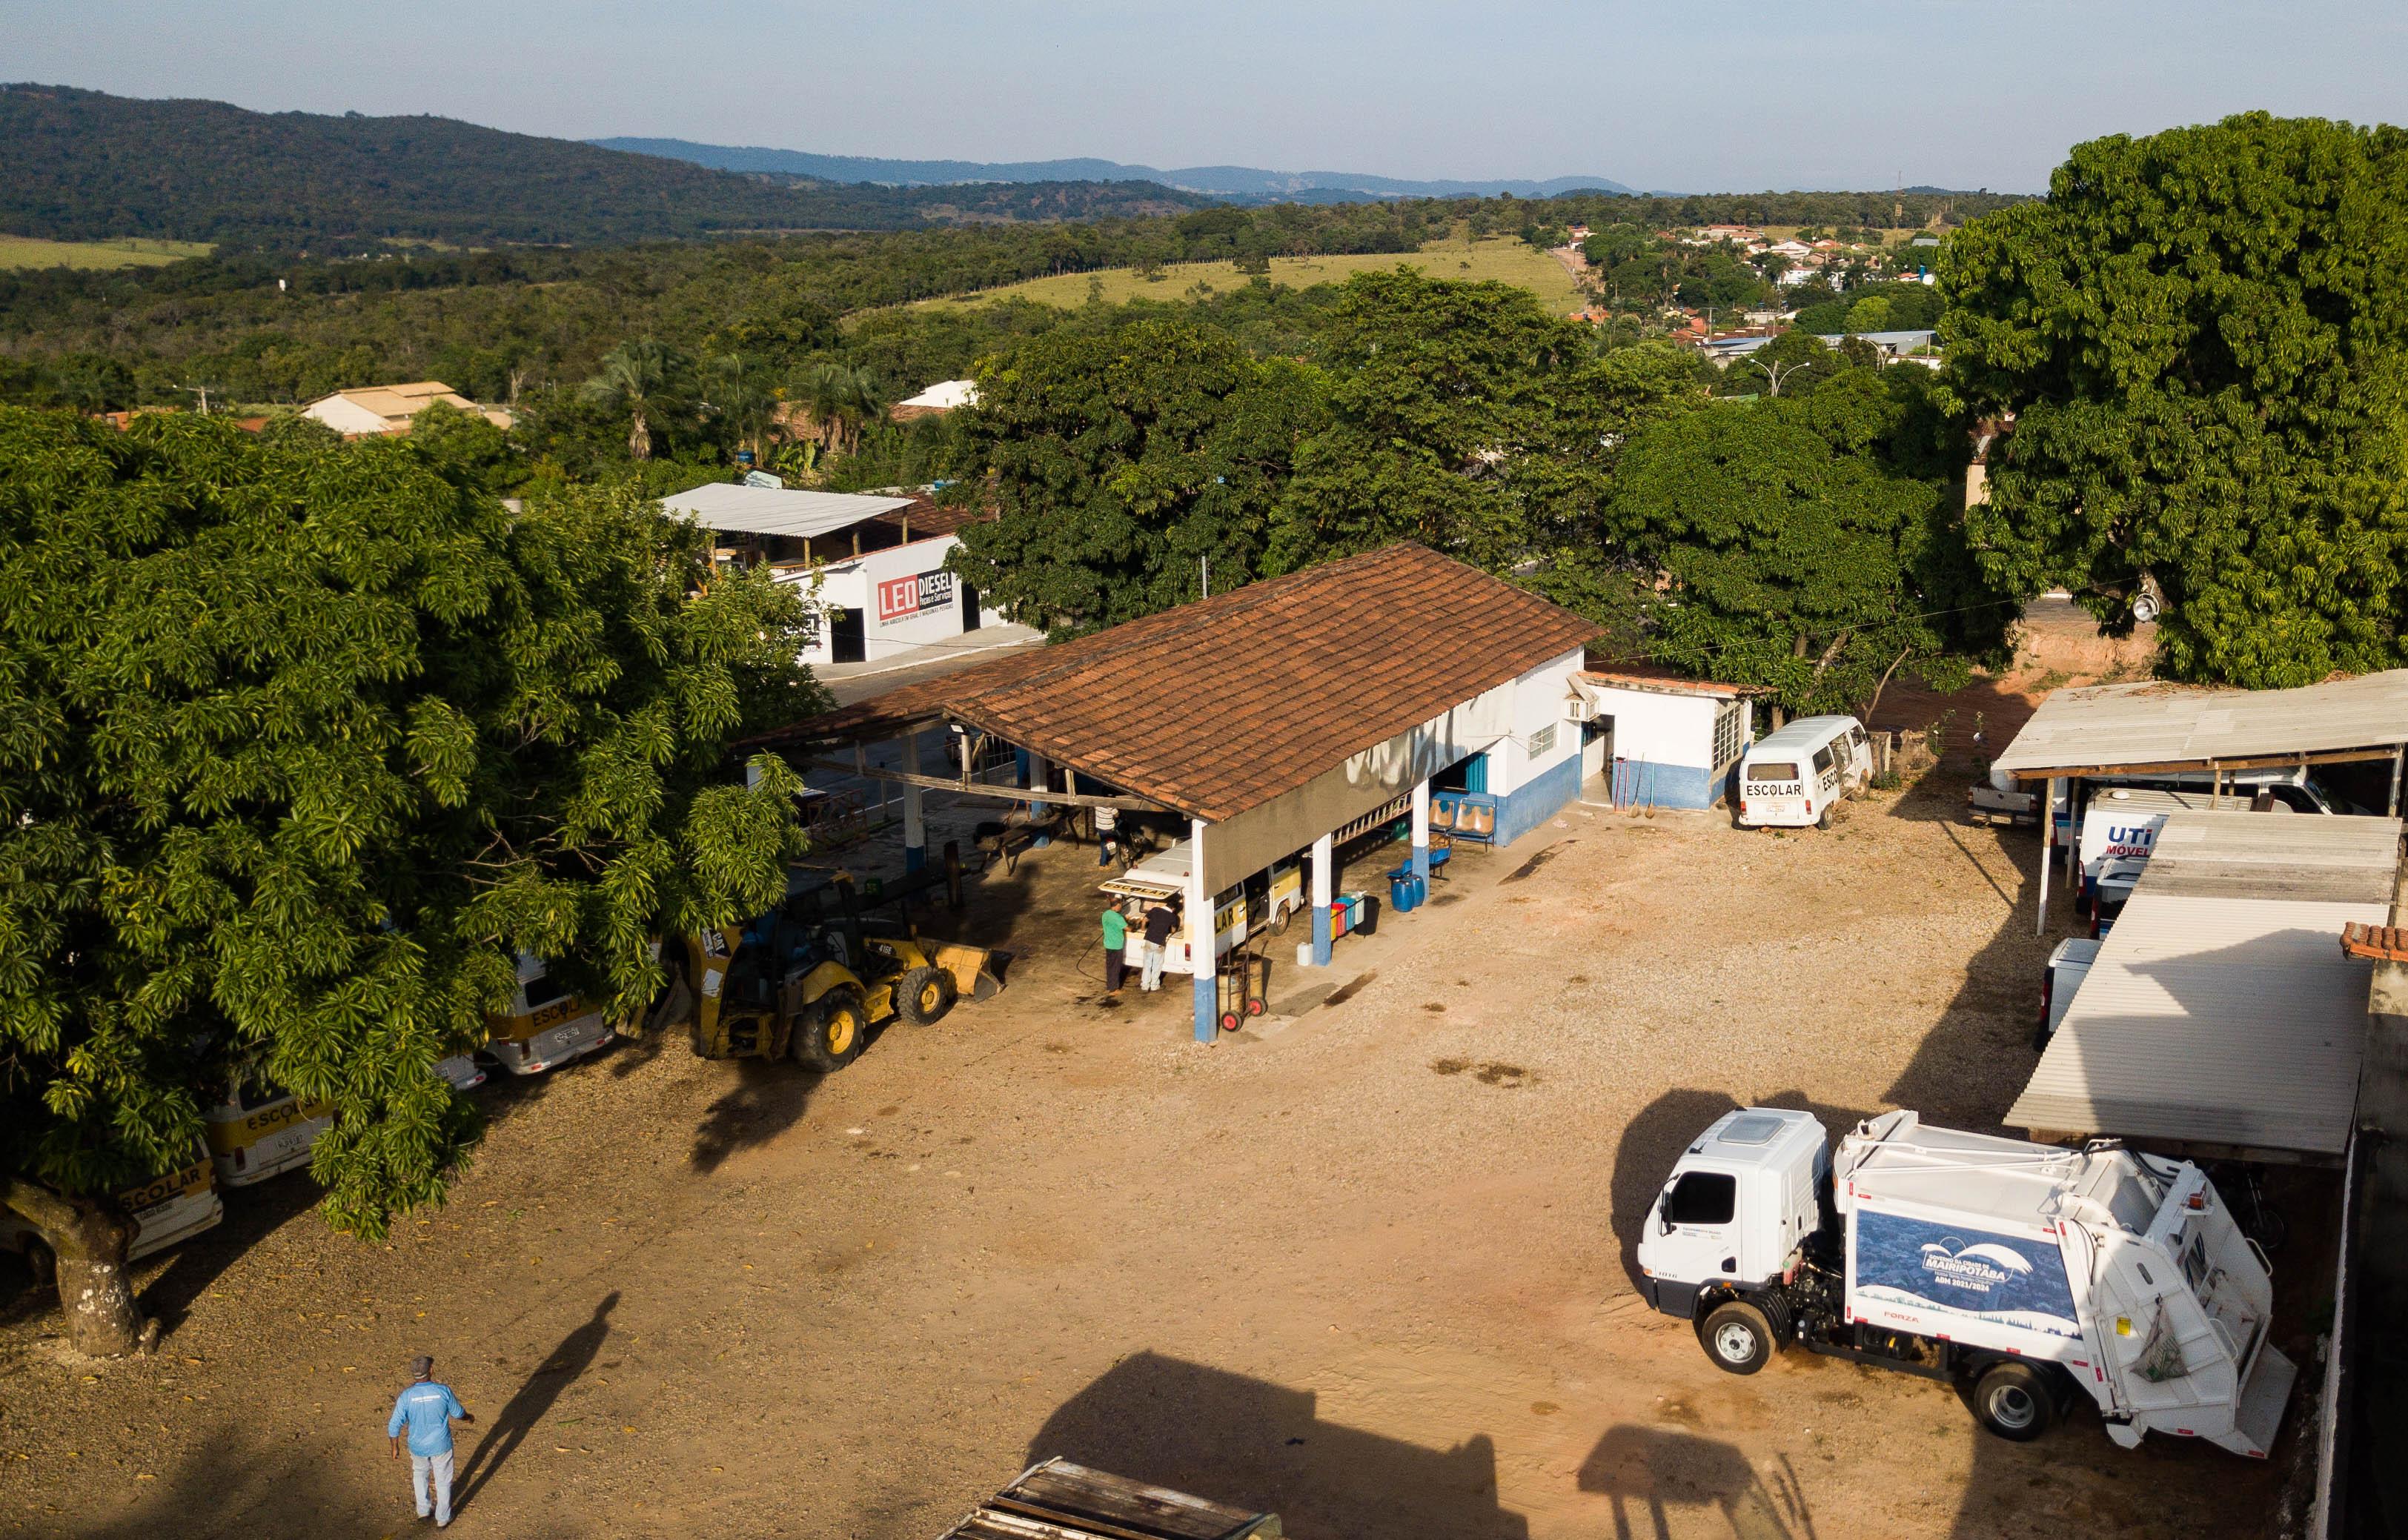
{"x":88,"y":1239}
{"x":639,"y":439}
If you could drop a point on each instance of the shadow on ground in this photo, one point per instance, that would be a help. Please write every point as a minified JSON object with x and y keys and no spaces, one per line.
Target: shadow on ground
{"x":1648,"y":1473}
{"x":561,"y":1368}
{"x":1256,"y":1445}
{"x":764,"y":1098}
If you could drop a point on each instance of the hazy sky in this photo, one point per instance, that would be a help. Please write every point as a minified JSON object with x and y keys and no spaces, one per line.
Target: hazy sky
{"x":1693,"y":97}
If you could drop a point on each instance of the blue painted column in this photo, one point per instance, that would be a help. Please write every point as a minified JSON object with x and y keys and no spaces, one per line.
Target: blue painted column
{"x":1203,"y":937}
{"x":916,"y":822}
{"x":1420,"y":829}
{"x":1324,"y":884}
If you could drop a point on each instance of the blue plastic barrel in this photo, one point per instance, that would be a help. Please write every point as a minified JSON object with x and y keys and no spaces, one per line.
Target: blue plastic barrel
{"x":1400,"y":895}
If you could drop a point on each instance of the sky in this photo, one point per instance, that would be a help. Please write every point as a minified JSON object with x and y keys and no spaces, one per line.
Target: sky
{"x":1686,"y":97}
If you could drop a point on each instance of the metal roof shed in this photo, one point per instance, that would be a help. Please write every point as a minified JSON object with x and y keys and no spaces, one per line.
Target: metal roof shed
{"x":2221,"y":1016}
{"x":735,"y":510}
{"x":2122,"y":729}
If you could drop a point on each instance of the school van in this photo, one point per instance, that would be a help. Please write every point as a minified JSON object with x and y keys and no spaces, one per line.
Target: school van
{"x":1794,"y":777}
{"x":546,"y":1025}
{"x":256,"y":1130}
{"x":172,"y":1206}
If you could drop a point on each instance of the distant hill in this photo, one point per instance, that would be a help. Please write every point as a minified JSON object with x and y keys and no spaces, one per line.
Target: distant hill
{"x":1227,"y":181}
{"x":85,"y":165}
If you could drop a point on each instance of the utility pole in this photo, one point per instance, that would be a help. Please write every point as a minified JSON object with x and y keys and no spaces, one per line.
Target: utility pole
{"x":202,"y":392}
{"x":1206,"y":581}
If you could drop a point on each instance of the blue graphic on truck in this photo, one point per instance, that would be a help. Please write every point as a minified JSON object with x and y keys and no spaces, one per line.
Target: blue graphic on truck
{"x":2014,"y":1281}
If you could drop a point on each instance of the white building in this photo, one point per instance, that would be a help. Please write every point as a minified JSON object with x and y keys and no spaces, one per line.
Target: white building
{"x":873,"y":567}
{"x":388,"y":408}
{"x":1664,"y":743}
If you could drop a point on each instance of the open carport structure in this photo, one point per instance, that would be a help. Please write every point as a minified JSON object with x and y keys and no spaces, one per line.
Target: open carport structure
{"x":2221,"y":1018}
{"x":1269,"y":718}
{"x":2129,"y":730}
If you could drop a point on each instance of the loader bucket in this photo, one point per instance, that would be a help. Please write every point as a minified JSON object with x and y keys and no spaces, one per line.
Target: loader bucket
{"x":977,"y":970}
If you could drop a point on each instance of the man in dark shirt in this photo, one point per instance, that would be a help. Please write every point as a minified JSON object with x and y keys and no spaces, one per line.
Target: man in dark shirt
{"x":1160,"y":921}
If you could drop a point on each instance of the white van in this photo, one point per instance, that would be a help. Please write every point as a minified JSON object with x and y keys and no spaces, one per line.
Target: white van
{"x":2069,"y":964}
{"x":1794,"y":777}
{"x":174,"y":1205}
{"x":546,"y":1025}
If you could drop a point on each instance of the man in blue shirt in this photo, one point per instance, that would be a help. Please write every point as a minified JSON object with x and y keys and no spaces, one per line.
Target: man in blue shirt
{"x":428,"y":1409}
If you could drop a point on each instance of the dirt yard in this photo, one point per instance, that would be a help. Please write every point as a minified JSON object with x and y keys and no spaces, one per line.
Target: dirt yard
{"x":1367,"y":1265}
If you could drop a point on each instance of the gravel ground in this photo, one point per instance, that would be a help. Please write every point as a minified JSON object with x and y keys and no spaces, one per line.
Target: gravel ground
{"x":1365,"y":1263}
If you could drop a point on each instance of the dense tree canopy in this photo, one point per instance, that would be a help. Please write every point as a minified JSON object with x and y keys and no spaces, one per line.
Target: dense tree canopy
{"x":2202,"y":337}
{"x":1810,"y":544}
{"x":1463,"y":416}
{"x":301,"y":744}
{"x":1119,"y":462}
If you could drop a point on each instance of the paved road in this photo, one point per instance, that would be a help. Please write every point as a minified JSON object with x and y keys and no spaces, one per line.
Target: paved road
{"x":852,"y":682}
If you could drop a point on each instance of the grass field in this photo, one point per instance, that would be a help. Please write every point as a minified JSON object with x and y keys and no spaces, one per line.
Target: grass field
{"x":28,"y":251}
{"x":1505,"y":260}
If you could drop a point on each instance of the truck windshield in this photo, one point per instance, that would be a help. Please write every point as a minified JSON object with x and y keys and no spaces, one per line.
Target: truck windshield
{"x":1702,"y":1197}
{"x":1771,"y":770}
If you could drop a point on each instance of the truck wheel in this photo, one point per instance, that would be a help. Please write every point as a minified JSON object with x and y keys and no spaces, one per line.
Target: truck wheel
{"x":1738,"y":1337}
{"x":831,"y":1032}
{"x":923,"y":995}
{"x":1824,"y":820}
{"x":2013,"y":1401}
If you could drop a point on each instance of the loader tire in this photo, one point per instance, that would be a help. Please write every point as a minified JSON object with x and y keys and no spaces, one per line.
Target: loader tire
{"x":831,"y":1032}
{"x":1737,"y":1337}
{"x":2014,"y":1402}
{"x":923,"y":995}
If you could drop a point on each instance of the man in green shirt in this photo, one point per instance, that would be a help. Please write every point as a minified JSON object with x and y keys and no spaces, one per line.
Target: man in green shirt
{"x":1115,"y":948}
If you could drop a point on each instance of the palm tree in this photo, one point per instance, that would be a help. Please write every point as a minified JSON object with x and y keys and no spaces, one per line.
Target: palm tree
{"x":840,"y":399}
{"x":738,"y":397}
{"x":638,"y":378}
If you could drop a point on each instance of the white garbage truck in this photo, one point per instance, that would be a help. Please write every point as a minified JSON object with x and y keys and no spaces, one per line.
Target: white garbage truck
{"x":2027,"y":1273}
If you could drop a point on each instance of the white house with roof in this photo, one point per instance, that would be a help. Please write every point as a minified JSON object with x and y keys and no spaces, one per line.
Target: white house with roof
{"x":388,"y":408}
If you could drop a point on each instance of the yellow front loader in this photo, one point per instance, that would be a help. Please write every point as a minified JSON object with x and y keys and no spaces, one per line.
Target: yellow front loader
{"x":781,"y":988}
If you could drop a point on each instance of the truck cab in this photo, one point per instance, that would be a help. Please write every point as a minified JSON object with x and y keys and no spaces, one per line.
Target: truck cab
{"x":1743,"y":1198}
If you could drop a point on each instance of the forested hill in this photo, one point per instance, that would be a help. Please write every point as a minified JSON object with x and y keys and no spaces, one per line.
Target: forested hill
{"x":85,"y":165}
{"x":1243,"y":183}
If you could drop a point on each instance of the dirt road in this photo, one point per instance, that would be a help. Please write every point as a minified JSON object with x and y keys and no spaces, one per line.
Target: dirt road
{"x":1366,"y":1266}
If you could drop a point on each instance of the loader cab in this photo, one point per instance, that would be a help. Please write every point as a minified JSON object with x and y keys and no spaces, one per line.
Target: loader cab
{"x":1742,"y":1200}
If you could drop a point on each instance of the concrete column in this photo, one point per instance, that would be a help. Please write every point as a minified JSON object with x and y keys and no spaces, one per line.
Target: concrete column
{"x":2048,"y":849}
{"x":1201,"y":932}
{"x":1040,"y":776}
{"x":1421,"y":828}
{"x":1323,"y":883}
{"x":915,"y":824}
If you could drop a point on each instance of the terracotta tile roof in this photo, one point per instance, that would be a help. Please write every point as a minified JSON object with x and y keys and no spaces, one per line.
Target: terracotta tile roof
{"x":1219,"y":705}
{"x":1669,"y":683}
{"x":927,"y":518}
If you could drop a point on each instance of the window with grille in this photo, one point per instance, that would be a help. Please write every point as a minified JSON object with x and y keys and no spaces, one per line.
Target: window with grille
{"x":1542,"y":741}
{"x":1727,"y":744}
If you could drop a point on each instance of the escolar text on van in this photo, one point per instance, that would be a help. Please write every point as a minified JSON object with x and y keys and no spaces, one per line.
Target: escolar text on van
{"x":1794,"y":777}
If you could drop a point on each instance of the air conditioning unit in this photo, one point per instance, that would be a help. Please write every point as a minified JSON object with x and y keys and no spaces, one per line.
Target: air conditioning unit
{"x":1580,"y":709}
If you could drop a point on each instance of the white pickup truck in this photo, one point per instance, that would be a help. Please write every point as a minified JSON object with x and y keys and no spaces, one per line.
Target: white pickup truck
{"x":2029,"y":1272}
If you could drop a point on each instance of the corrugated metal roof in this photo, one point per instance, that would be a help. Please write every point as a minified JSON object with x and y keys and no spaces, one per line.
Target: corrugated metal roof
{"x":2149,"y":724}
{"x":2220,"y":1009}
{"x":774,"y":510}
